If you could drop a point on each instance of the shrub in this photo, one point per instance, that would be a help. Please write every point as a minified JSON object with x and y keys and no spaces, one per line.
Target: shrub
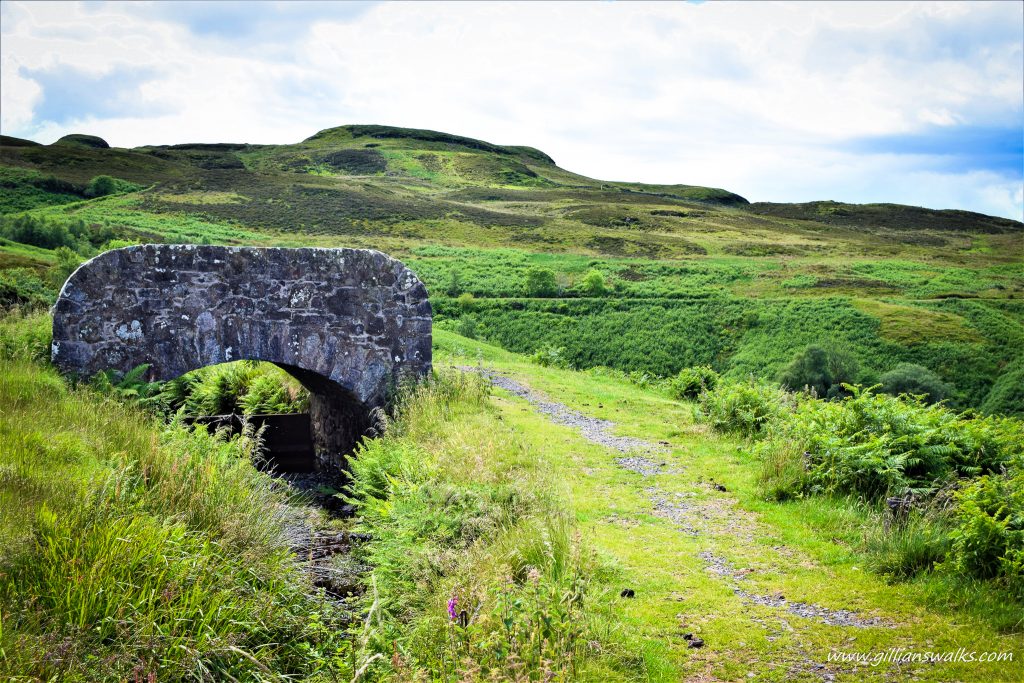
{"x":593,"y":284}
{"x":131,"y":386}
{"x":747,"y":408}
{"x":23,"y":288}
{"x":466,"y":301}
{"x":690,"y":382}
{"x":914,"y":380}
{"x":550,"y":356}
{"x":467,"y":326}
{"x":37,"y":232}
{"x":267,"y":394}
{"x":822,"y":371}
{"x":241,"y":388}
{"x":541,"y":282}
{"x":988,"y":540}
{"x":875,"y":445}
{"x":101,"y":186}
{"x":67,"y":263}
{"x":643,"y":379}
{"x":454,"y":285}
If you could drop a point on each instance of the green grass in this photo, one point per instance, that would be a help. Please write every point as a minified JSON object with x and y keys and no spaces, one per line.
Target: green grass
{"x":465,"y":515}
{"x":131,"y":549}
{"x":813,"y":550}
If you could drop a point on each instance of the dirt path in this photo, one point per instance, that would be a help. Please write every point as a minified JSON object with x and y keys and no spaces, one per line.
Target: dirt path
{"x":717,"y":518}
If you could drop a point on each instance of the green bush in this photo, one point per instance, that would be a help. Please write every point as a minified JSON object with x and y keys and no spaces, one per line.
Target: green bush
{"x":454,"y":285}
{"x":241,"y":388}
{"x":541,"y":282}
{"x":103,"y":185}
{"x":690,"y":382}
{"x":747,"y":408}
{"x":988,"y":539}
{"x":267,"y":394}
{"x":38,"y":232}
{"x":23,"y":288}
{"x":821,"y":371}
{"x":875,"y":445}
{"x":550,"y":356}
{"x":914,"y":380}
{"x":100,"y":186}
{"x":467,"y":326}
{"x":593,"y":284}
{"x":67,"y":263}
{"x":131,"y":386}
{"x":49,"y":233}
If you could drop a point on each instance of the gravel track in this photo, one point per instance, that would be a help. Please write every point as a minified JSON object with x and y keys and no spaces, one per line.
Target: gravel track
{"x":681,"y":512}
{"x":833,"y":617}
{"x":593,"y":429}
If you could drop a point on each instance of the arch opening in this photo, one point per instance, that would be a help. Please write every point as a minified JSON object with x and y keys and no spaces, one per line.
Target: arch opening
{"x":308,"y":421}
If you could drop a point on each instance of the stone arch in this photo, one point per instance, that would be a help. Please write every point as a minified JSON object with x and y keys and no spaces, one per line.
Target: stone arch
{"x":347,"y":323}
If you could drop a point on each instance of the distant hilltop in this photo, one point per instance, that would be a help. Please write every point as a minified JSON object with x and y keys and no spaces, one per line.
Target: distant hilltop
{"x":482,"y":172}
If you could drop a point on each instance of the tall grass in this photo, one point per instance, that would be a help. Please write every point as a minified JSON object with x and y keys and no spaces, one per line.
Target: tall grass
{"x":478,"y":573}
{"x":128,"y":550}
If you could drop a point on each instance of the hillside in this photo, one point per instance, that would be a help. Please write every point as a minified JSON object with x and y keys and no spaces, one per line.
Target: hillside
{"x":888,"y":283}
{"x":602,"y":481}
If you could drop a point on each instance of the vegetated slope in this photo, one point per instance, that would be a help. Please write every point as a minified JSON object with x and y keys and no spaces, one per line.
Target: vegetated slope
{"x":646,"y":278}
{"x":513,"y":534}
{"x":131,"y":549}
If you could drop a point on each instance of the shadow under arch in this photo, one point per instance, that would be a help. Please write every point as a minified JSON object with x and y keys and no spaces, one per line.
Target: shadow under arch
{"x":348,"y":324}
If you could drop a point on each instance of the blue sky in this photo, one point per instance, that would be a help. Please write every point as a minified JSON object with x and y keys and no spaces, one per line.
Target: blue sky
{"x":917,"y":103}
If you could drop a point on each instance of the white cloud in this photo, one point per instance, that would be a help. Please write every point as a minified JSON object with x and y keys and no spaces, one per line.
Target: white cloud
{"x":754,"y":97}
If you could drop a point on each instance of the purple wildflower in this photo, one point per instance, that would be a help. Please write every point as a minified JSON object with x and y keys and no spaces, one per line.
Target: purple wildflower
{"x":453,"y":604}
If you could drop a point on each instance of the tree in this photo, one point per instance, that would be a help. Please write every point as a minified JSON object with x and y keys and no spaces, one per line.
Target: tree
{"x":820,"y":370}
{"x":540,"y":282}
{"x":908,"y":378}
{"x":454,"y":286}
{"x":593,"y":284}
{"x":101,"y":186}
{"x":67,"y":262}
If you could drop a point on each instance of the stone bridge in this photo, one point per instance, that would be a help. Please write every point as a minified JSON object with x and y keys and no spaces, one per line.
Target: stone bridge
{"x":349,"y":324}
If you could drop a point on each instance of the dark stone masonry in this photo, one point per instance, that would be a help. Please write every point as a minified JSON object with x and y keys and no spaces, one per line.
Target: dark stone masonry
{"x":347,"y":323}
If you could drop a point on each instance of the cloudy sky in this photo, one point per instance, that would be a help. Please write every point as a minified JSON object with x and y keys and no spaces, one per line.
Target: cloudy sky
{"x":897,"y":102}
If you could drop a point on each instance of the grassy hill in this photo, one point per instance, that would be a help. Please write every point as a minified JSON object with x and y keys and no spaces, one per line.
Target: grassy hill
{"x":690,"y":275}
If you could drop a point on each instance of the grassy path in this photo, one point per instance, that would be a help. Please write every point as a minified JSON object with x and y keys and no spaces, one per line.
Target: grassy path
{"x":771,"y":589}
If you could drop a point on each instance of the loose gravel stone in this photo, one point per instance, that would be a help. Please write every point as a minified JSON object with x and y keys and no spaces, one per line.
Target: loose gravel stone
{"x":593,"y":429}
{"x":675,"y":510}
{"x":826,"y":615}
